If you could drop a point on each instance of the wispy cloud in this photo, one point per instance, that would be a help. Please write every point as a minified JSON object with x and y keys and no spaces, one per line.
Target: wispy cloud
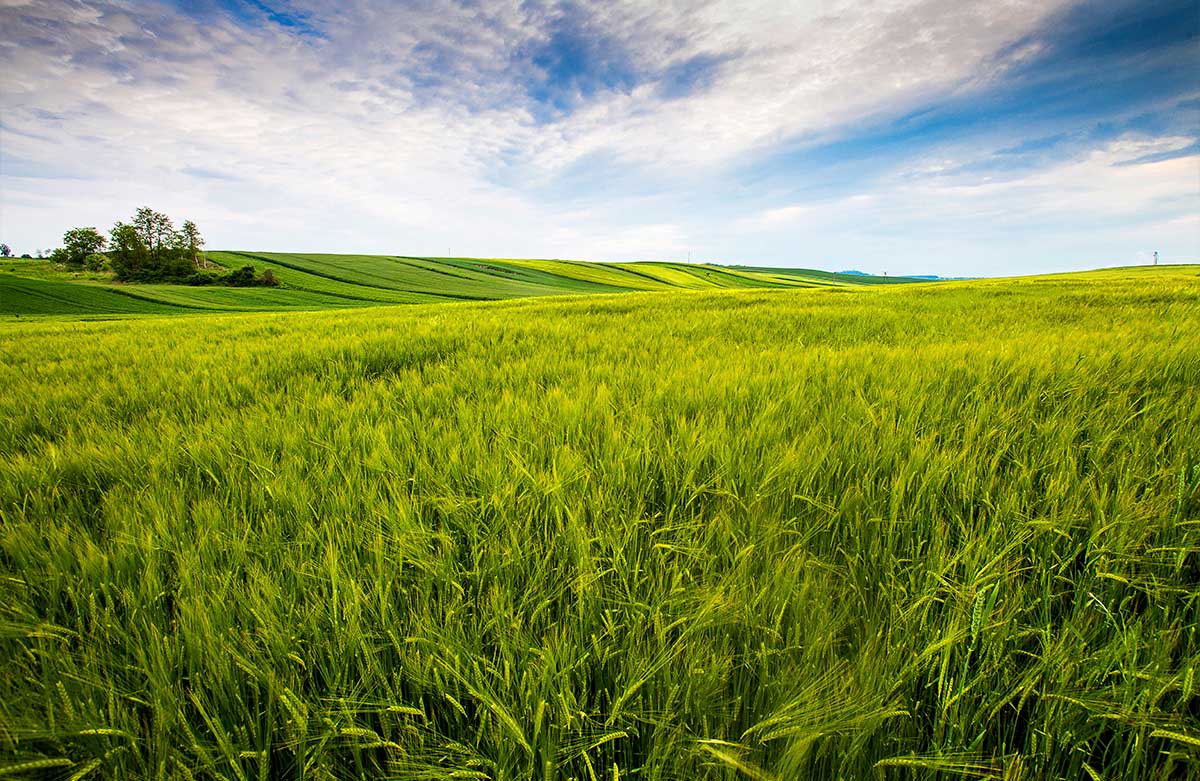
{"x":619,"y":130}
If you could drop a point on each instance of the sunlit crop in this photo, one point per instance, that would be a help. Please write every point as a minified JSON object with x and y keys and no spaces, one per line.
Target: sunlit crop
{"x":933,"y":531}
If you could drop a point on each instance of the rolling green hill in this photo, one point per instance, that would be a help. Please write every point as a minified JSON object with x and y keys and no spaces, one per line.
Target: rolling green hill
{"x":322,"y":281}
{"x":24,"y":296}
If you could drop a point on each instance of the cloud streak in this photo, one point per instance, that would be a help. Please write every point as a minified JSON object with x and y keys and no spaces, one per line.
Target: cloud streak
{"x":627,"y":130}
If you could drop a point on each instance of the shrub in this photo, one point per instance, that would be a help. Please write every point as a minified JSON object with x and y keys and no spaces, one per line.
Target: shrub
{"x":242,"y":277}
{"x":200,"y":278}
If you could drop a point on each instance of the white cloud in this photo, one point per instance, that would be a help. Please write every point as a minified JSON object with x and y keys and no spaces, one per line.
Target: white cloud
{"x":409,"y":131}
{"x":1089,"y":211}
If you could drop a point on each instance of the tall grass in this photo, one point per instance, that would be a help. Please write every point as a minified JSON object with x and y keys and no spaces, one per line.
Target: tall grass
{"x":910,"y":532}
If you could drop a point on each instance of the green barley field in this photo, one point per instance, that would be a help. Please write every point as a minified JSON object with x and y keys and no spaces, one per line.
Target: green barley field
{"x":787,"y":529}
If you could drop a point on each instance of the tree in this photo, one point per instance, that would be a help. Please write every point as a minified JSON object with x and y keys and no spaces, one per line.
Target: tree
{"x":78,"y":243}
{"x":127,"y":252}
{"x":156,"y":231}
{"x":192,"y":242}
{"x":5,"y":251}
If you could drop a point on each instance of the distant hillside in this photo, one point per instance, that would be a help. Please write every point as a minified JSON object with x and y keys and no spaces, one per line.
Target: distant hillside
{"x":844,"y":277}
{"x":321,"y":281}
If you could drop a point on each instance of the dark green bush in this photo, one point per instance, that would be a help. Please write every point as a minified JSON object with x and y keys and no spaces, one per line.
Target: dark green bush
{"x":200,"y":278}
{"x":242,"y":277}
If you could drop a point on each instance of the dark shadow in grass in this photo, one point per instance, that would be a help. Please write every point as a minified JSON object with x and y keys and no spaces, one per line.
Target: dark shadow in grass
{"x":349,"y":368}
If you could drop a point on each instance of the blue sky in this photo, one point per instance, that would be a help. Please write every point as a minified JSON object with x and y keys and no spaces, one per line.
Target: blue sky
{"x":907,"y":136}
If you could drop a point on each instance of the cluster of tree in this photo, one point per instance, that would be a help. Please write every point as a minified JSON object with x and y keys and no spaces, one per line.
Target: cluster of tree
{"x":149,"y":249}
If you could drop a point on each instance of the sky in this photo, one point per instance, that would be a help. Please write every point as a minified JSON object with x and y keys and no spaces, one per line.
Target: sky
{"x":948,"y":137}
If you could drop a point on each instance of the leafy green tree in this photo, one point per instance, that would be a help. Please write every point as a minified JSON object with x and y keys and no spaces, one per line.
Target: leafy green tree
{"x":192,"y":242}
{"x":95,"y":262}
{"x":155,"y":230}
{"x":78,"y":243}
{"x":5,"y":251}
{"x":128,"y":254}
{"x":167,"y":252}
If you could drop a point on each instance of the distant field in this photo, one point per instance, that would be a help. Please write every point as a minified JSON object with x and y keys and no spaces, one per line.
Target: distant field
{"x":923,"y":531}
{"x":313,"y":282}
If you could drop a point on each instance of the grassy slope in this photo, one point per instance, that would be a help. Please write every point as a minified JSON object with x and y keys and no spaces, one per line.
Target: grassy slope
{"x":26,"y":296}
{"x":915,"y":532}
{"x":339,"y":281}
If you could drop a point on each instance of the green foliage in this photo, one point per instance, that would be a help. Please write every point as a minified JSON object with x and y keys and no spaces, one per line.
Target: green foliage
{"x":149,"y":249}
{"x":78,"y":244}
{"x":191,"y":242}
{"x":198,"y":278}
{"x":241,"y":277}
{"x":155,"y":230}
{"x":127,"y":252}
{"x":96,"y":262}
{"x":903,"y":532}
{"x":60,"y":257}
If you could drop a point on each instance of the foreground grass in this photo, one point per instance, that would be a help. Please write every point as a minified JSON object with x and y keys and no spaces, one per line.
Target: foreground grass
{"x":910,"y":532}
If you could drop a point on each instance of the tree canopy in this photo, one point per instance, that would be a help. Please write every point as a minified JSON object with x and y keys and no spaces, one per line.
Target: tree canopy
{"x":78,"y":243}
